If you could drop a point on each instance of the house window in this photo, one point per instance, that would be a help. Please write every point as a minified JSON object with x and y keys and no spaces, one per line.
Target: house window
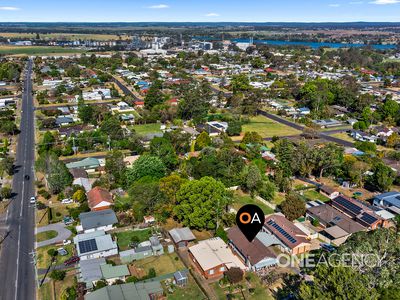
{"x":211,"y":272}
{"x":222,"y":269}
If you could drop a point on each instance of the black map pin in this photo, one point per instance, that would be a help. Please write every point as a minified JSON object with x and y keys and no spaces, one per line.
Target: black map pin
{"x":250,"y":219}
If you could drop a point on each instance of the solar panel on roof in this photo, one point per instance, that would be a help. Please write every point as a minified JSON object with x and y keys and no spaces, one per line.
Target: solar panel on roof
{"x":355,"y":209}
{"x":282,"y":231}
{"x":368,"y":218}
{"x":87,"y":246}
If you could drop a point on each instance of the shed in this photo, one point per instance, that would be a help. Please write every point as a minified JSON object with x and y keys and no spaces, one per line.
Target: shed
{"x":181,"y":236}
{"x":181,"y":278}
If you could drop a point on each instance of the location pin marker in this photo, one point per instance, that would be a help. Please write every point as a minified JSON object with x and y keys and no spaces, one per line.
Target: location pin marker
{"x":250,"y":219}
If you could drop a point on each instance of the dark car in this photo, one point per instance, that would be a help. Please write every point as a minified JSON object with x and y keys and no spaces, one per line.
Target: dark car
{"x":327,"y":247}
{"x":27,"y":177}
{"x":71,"y":261}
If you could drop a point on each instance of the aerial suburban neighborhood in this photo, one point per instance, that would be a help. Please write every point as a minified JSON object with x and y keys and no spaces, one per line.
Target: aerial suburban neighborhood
{"x":126,"y":154}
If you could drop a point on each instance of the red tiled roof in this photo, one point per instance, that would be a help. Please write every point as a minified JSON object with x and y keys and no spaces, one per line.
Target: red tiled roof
{"x":98,"y":195}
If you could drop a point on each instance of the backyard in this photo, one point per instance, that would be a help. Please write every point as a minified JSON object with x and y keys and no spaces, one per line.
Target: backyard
{"x":125,"y":238}
{"x":240,"y":199}
{"x":190,"y":291}
{"x":44,"y":259}
{"x":164,"y":264}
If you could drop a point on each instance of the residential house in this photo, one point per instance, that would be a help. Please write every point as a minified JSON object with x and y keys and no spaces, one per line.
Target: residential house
{"x":181,"y":236}
{"x":78,"y":173}
{"x":95,"y":245}
{"x":389,"y":200}
{"x":213,"y":257}
{"x":99,"y":199}
{"x":64,"y":120}
{"x":113,"y":273}
{"x":328,"y":191}
{"x":293,"y":240}
{"x":97,"y":220}
{"x":363,"y":136}
{"x":89,"y":271}
{"x":83,"y":182}
{"x":358,"y":211}
{"x":328,"y":123}
{"x":255,"y":255}
{"x":89,"y":163}
{"x":337,"y":226}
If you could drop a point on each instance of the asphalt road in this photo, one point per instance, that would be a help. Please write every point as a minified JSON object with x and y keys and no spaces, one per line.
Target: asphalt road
{"x":323,"y":135}
{"x":125,"y":89}
{"x":17,"y":274}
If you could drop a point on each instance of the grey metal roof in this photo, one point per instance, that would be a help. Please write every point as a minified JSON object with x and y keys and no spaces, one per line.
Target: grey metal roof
{"x":90,"y":269}
{"x":181,"y":234}
{"x":95,"y":219}
{"x":128,"y":291}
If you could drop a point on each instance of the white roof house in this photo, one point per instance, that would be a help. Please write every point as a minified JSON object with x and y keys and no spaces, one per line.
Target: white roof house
{"x":214,"y":252}
{"x":95,"y":245}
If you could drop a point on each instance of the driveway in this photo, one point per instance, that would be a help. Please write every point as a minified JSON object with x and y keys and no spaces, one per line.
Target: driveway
{"x":63,"y":234}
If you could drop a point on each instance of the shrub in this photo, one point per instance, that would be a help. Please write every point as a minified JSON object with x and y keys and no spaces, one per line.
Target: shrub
{"x":52,"y":252}
{"x":57,"y":275}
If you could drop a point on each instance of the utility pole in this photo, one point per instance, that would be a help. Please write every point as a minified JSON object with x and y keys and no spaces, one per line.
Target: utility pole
{"x":109,"y":143}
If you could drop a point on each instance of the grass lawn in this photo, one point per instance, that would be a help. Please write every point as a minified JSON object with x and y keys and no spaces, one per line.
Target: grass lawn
{"x":190,"y":291}
{"x":314,"y":195}
{"x":268,"y":128}
{"x":61,"y":286}
{"x":44,"y":259}
{"x":37,"y":50}
{"x":343,"y":136}
{"x":147,"y":128}
{"x":241,"y":199}
{"x":279,"y":198}
{"x":164,"y":264}
{"x":46,"y":291}
{"x":125,"y":238}
{"x":260,"y":291}
{"x":46,"y":235}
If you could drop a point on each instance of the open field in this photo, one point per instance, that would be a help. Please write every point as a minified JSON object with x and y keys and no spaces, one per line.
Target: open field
{"x":343,"y":136}
{"x":240,"y":199}
{"x":66,"y":36}
{"x":147,"y":128}
{"x":37,"y":50}
{"x":268,"y":128}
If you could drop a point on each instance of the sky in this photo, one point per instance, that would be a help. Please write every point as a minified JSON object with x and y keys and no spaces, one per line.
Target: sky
{"x":199,"y":10}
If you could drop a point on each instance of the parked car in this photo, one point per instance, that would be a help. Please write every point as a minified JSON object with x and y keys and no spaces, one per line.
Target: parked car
{"x":32,"y":200}
{"x":71,"y":261}
{"x":327,"y":247}
{"x":66,"y":242}
{"x":67,"y":201}
{"x":62,"y":251}
{"x":68,"y":220}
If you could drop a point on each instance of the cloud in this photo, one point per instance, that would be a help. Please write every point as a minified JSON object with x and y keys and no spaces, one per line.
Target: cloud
{"x":212,"y":15}
{"x":385,"y":2}
{"x":158,"y":6}
{"x":9,"y":8}
{"x":334,"y":5}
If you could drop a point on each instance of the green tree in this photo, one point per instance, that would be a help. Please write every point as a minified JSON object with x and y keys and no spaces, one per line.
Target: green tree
{"x":163,"y":148}
{"x":111,"y":126}
{"x":170,"y":185}
{"x":79,"y":196}
{"x":86,"y":113}
{"x":339,"y":282}
{"x":115,"y":166}
{"x":5,"y":192}
{"x":293,"y":207}
{"x":234,"y":128}
{"x":47,"y":143}
{"x":252,"y":137}
{"x":240,"y":83}
{"x":382,"y":178}
{"x":7,"y":165}
{"x":154,"y":95}
{"x":253,"y":179}
{"x":202,"y":141}
{"x":58,"y":275}
{"x":145,"y":165}
{"x":201,"y":202}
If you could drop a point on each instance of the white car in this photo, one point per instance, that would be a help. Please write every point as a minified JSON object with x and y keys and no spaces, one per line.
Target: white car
{"x":67,"y":201}
{"x":66,"y":242}
{"x":32,"y":200}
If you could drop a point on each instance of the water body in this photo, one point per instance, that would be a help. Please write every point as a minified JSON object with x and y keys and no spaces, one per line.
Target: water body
{"x":315,"y":45}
